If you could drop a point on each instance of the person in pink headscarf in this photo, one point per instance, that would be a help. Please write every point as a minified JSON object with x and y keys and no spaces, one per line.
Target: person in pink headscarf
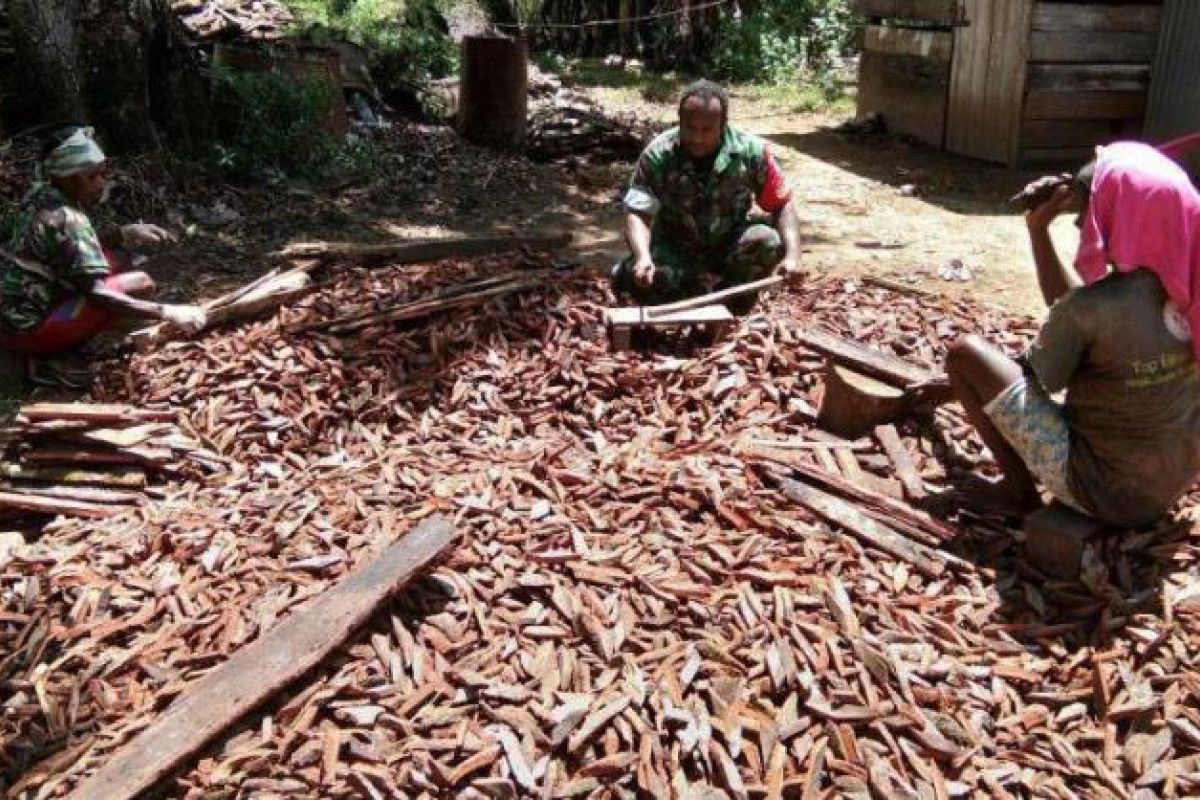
{"x":1124,"y":444}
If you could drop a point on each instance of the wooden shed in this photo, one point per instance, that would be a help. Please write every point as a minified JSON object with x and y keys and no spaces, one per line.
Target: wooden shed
{"x":1009,"y":81}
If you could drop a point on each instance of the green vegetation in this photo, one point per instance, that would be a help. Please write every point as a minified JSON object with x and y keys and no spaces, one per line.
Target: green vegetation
{"x":277,"y":121}
{"x":784,"y":41}
{"x":406,"y":39}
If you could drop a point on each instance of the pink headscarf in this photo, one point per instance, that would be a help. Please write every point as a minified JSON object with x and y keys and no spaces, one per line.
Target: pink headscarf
{"x":1144,"y":213}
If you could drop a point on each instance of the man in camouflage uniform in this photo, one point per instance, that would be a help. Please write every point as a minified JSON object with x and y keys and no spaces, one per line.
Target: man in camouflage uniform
{"x":688,"y":209}
{"x":58,"y":285}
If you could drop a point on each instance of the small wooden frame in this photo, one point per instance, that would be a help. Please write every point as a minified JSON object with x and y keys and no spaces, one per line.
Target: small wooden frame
{"x":622,"y":322}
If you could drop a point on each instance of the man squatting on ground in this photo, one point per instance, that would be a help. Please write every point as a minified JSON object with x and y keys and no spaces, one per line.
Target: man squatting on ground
{"x":59,"y":285}
{"x":688,"y":209}
{"x":1125,"y":444}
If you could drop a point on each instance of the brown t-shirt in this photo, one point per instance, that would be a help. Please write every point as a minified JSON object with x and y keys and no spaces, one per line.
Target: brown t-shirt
{"x":1133,"y":397}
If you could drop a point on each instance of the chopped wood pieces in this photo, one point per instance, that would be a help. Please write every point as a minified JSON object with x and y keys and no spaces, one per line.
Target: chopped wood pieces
{"x":633,"y":608}
{"x":92,"y":460}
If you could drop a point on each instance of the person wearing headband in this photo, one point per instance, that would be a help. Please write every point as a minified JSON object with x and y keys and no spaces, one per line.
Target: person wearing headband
{"x":1122,"y":341}
{"x":59,"y":286}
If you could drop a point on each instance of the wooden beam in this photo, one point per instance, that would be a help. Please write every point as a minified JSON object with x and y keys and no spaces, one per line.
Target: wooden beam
{"x":1089,"y":77}
{"x":715,"y":297}
{"x":943,"y":11}
{"x":55,"y":506}
{"x":297,"y":644}
{"x":1104,"y":47}
{"x":875,"y":363}
{"x":102,"y":413}
{"x":897,"y":453}
{"x":423,"y":250}
{"x":933,"y":45}
{"x":1076,"y":17}
{"x":924,"y":559}
{"x":1085,"y":105}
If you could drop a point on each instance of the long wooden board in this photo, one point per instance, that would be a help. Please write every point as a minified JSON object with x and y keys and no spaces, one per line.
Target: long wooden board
{"x":875,"y":363}
{"x":943,"y":11}
{"x":1089,"y":77}
{"x":1085,"y":105}
{"x":924,"y":559}
{"x":254,"y":673}
{"x":931,"y":44}
{"x":1098,"y":18}
{"x":424,"y":249}
{"x":1093,"y":46}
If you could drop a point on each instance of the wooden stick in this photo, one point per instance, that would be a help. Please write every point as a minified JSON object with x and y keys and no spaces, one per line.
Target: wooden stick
{"x":877,"y":364}
{"x":924,"y":559}
{"x":419,"y":308}
{"x":424,"y":249}
{"x":55,"y":506}
{"x":297,"y":644}
{"x":101,"y":413}
{"x":117,"y":478}
{"x":914,"y":487}
{"x":896,"y":286}
{"x":714,"y":298}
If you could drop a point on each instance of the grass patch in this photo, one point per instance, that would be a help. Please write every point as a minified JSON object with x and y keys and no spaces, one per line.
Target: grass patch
{"x":796,"y":98}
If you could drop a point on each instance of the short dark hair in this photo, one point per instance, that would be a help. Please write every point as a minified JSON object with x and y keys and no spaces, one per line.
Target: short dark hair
{"x":56,"y":137}
{"x":706,"y":91}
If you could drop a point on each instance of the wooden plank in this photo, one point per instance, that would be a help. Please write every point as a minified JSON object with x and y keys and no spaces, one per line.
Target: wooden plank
{"x":423,"y":250}
{"x":924,"y":559}
{"x":1096,"y":18}
{"x":1053,"y":133}
{"x":636,"y":316}
{"x":893,"y":445}
{"x":715,"y":297}
{"x":944,"y":11}
{"x":294,"y":646}
{"x":918,"y":42}
{"x":1085,"y":105}
{"x":94,"y":412}
{"x":1103,"y":47}
{"x":1089,"y":77}
{"x":1066,"y":156}
{"x":55,"y":506}
{"x":988,"y":79}
{"x":875,"y":363}
{"x":116,"y":478}
{"x":909,"y":92}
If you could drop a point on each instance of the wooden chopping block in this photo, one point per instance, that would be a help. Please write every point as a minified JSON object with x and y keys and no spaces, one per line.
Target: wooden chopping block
{"x":621,"y":322}
{"x":853,"y":404}
{"x":1055,"y":537}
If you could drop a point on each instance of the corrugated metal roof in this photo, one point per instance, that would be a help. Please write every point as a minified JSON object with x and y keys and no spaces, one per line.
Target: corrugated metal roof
{"x":1174,"y":103}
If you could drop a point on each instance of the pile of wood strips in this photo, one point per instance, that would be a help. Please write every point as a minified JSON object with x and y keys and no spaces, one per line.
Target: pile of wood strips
{"x":91,"y":460}
{"x":232,"y":19}
{"x":636,"y":610}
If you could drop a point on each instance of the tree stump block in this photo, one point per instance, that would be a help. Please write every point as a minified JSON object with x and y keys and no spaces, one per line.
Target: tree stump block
{"x":853,"y":403}
{"x":494,"y":95}
{"x":1055,"y":537}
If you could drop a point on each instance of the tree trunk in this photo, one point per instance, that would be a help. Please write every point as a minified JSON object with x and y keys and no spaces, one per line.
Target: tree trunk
{"x":123,"y":67}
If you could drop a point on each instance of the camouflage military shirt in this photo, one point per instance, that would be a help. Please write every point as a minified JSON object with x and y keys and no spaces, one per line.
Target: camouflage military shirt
{"x":705,"y":211}
{"x":54,"y":235}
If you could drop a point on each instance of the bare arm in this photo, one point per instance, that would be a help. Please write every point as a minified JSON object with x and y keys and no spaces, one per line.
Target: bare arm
{"x":1054,"y":278}
{"x":637,"y":234}
{"x":788,"y":222}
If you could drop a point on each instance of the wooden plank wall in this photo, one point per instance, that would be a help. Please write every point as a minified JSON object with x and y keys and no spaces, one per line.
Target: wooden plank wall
{"x":991,"y":51}
{"x":904,"y":71}
{"x":1088,"y":76}
{"x":904,"y":75}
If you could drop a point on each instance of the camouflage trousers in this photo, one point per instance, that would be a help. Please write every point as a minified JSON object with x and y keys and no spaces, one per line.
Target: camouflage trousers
{"x":681,"y":274}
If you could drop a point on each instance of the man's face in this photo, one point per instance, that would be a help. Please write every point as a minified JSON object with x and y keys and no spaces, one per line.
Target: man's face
{"x":701,"y":125}
{"x":86,"y":188}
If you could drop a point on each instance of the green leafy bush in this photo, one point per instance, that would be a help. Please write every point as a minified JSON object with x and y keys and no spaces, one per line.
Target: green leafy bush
{"x":785,"y":40}
{"x":271,"y":120}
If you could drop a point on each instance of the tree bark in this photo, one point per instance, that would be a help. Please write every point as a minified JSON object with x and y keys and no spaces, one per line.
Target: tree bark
{"x":123,"y":67}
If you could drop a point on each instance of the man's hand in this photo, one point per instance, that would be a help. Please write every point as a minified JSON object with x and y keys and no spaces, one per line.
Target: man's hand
{"x":1060,"y":201}
{"x":189,"y":319}
{"x":644,"y":273}
{"x":791,"y":269}
{"x":144,"y":235}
